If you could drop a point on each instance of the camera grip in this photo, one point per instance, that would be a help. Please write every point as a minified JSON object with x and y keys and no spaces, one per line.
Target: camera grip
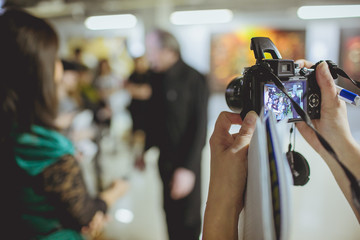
{"x":313,"y":97}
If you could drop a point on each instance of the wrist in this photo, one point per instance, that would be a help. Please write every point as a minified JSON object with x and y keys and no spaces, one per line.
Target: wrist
{"x":224,"y":203}
{"x":221,"y":219}
{"x":107,"y":197}
{"x":224,"y":210}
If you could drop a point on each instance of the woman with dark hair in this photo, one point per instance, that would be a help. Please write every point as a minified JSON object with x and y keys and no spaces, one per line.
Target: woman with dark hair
{"x":47,"y":197}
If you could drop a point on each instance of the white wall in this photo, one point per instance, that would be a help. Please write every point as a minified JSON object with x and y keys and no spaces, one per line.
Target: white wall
{"x":323,"y":41}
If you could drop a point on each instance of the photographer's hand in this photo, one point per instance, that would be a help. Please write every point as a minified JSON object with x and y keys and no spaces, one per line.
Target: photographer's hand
{"x":334,"y":127}
{"x":333,"y":124}
{"x":227,"y":175}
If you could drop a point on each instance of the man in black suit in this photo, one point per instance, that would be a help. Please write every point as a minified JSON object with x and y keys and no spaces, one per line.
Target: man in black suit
{"x":177,"y":124}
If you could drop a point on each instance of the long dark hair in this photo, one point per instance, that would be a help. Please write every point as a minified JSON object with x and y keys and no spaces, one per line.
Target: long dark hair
{"x":28,"y":52}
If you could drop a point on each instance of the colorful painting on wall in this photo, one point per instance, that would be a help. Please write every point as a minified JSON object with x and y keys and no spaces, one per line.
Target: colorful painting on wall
{"x":350,"y":57}
{"x":230,"y":52}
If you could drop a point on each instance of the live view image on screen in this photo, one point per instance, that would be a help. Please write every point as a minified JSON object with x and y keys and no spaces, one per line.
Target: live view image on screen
{"x":275,"y":99}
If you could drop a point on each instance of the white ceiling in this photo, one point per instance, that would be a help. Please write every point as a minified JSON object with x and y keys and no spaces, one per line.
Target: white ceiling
{"x":84,"y":8}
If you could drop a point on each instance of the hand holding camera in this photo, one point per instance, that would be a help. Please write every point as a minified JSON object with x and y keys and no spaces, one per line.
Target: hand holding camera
{"x":292,"y":91}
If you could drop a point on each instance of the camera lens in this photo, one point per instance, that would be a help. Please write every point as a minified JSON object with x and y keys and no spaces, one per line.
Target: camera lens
{"x":233,"y":95}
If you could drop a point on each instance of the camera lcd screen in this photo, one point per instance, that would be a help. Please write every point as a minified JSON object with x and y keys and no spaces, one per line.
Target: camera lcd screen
{"x":275,"y":99}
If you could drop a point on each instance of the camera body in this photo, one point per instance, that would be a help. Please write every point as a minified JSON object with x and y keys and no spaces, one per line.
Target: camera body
{"x":256,"y":89}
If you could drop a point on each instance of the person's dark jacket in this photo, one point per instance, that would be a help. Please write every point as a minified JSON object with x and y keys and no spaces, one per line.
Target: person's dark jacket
{"x":177,"y":116}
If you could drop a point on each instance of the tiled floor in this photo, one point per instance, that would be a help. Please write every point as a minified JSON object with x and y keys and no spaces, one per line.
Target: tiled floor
{"x":320,"y":210}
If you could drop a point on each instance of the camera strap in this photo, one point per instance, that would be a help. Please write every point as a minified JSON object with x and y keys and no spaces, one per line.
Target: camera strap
{"x":335,"y":71}
{"x":354,"y":183}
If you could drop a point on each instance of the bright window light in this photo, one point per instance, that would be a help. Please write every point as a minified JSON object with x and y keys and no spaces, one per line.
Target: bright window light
{"x":111,"y":22}
{"x":201,"y":17}
{"x":329,"y":11}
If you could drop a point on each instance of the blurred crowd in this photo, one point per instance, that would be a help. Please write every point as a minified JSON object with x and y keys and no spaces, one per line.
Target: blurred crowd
{"x":89,"y":101}
{"x":57,"y":112}
{"x":162,"y":103}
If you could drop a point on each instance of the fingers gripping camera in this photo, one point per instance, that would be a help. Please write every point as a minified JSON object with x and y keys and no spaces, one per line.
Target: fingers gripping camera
{"x":270,"y":84}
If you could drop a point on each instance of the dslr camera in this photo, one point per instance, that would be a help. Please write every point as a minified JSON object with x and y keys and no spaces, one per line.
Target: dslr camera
{"x":259,"y":88}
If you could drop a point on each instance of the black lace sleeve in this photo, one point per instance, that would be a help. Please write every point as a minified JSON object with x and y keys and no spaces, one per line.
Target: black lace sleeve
{"x":65,"y":184}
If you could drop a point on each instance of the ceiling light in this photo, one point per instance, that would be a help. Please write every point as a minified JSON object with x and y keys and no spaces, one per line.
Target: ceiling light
{"x":329,"y":11}
{"x":201,"y":17}
{"x":111,"y":22}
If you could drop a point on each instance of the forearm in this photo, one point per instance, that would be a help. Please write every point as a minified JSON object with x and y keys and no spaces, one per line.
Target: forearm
{"x":221,"y":220}
{"x":222,"y":212}
{"x":139,"y":91}
{"x":228,"y":176}
{"x":64,"y":181}
{"x":349,"y":154}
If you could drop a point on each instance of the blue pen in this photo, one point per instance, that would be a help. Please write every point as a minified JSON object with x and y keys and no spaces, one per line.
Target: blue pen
{"x":348,"y":96}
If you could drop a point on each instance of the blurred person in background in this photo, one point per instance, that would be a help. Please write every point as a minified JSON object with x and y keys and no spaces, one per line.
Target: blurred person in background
{"x":106,"y":84}
{"x":75,"y":114}
{"x":140,"y":90}
{"x":68,"y":94}
{"x":177,"y":124}
{"x":46,"y":197}
{"x":78,"y":55}
{"x":89,"y":95}
{"x":138,"y":86}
